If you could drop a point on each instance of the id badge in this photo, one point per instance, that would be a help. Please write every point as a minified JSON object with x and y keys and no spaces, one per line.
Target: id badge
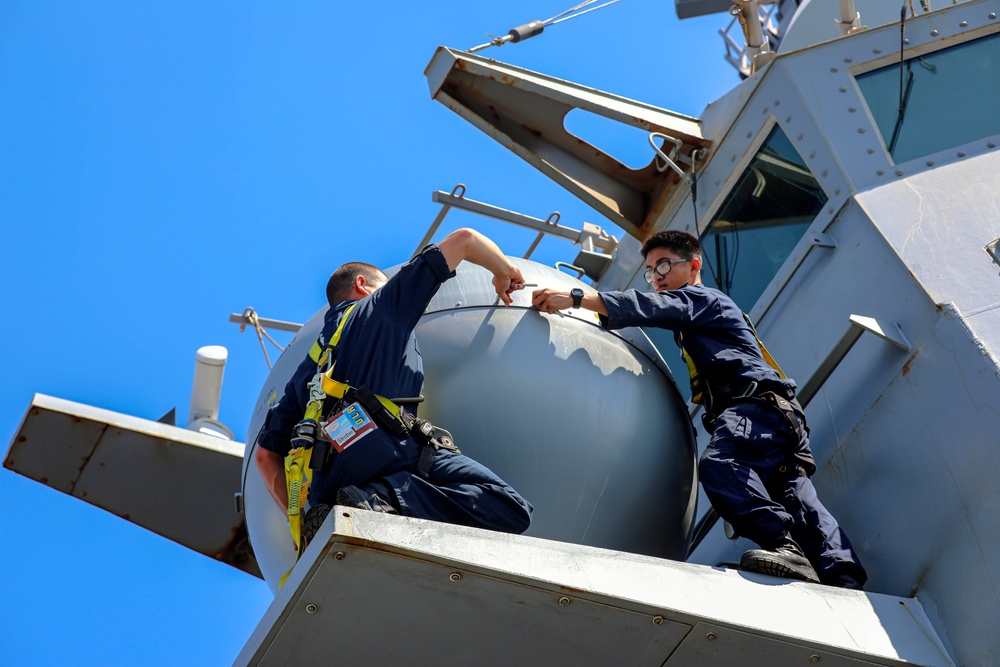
{"x":348,"y":426}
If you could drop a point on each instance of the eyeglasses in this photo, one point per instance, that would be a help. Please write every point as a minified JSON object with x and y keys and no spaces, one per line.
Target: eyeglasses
{"x":663,"y":268}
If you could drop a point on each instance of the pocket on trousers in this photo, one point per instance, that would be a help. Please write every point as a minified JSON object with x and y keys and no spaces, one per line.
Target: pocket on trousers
{"x":376,"y":455}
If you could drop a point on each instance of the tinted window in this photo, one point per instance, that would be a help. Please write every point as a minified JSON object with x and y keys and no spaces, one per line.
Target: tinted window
{"x":949,"y":98}
{"x":761,"y":220}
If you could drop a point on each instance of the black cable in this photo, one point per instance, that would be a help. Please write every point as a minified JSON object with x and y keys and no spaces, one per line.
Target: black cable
{"x":694,"y":207}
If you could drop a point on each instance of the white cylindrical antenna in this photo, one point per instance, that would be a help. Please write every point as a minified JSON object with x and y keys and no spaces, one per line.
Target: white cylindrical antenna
{"x":209,"y":365}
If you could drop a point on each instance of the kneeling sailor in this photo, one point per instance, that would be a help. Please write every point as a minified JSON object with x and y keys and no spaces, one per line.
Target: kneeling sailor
{"x":348,"y":415}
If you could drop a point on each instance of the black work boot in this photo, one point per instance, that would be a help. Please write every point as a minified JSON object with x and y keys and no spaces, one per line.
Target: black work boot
{"x":314,"y":519}
{"x":783,"y":559}
{"x":353,"y":496}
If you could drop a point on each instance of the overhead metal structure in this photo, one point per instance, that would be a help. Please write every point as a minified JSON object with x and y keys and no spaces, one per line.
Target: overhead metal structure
{"x":525,"y":111}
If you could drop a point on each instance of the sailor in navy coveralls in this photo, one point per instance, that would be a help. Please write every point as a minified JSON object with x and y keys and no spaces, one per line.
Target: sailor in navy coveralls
{"x":755,"y":469}
{"x":377,"y":349}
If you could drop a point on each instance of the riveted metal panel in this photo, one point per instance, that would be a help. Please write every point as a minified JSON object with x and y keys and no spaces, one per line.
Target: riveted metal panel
{"x":379,"y":608}
{"x":710,"y":645}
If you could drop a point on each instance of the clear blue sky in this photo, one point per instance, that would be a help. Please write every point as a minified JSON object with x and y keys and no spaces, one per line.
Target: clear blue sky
{"x":164,"y":164}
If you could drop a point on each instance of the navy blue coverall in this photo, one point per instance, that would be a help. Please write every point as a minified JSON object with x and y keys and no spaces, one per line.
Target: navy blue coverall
{"x":377,"y":349}
{"x":755,"y":469}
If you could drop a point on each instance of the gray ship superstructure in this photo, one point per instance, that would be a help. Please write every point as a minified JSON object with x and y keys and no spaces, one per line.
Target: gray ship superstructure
{"x":845,"y":195}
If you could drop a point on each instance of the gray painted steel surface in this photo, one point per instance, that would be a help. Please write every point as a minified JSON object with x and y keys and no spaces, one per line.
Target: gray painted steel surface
{"x":381,"y":590}
{"x":175,"y":482}
{"x":905,"y":440}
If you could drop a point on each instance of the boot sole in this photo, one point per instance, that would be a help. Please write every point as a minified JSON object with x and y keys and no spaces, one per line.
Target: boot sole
{"x":776,"y":566}
{"x":314,"y":519}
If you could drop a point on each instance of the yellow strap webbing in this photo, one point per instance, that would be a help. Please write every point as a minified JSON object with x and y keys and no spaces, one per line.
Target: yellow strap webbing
{"x":338,"y":389}
{"x":763,"y":350}
{"x":698,"y":388}
{"x":316,"y":352}
{"x":298,"y":474}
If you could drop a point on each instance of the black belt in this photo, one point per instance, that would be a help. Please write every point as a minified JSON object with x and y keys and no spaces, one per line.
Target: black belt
{"x":777,"y":395}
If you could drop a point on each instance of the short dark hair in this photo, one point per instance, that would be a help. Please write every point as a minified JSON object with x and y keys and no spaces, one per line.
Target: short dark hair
{"x":339,"y":287}
{"x":681,"y":243}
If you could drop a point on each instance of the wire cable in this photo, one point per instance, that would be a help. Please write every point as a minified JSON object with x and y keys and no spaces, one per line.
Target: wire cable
{"x":251,"y":316}
{"x":532,"y":28}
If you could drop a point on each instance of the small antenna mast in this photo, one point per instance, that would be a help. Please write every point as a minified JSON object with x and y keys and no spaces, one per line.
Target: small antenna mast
{"x":523,"y":32}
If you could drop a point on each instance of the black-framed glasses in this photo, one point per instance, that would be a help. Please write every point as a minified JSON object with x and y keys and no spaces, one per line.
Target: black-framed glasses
{"x":663,"y":268}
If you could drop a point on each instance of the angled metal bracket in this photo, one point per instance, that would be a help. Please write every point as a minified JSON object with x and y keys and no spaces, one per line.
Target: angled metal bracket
{"x":992,"y":251}
{"x":525,"y":111}
{"x":858,"y":325}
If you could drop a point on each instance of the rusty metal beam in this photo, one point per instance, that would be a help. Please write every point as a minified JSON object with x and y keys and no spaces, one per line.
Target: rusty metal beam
{"x":525,"y":111}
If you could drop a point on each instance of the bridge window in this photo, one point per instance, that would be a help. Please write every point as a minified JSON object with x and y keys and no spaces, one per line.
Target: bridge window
{"x":942,"y":100}
{"x":760,"y":222}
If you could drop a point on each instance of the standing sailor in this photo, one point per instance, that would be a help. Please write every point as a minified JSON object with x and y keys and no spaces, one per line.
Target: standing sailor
{"x":756,"y":467}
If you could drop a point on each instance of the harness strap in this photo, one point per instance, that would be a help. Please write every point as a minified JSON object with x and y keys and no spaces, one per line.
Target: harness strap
{"x":398,"y":422}
{"x":298,"y":469}
{"x":701,"y":392}
{"x":763,"y":350}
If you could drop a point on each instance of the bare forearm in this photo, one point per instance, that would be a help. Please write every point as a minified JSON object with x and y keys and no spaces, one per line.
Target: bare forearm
{"x":471,"y":246}
{"x":272,"y":471}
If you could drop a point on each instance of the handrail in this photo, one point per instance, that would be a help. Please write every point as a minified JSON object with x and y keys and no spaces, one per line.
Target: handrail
{"x":591,"y":236}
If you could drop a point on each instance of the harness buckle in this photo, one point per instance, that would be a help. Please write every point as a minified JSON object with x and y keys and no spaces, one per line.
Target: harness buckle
{"x":304,"y":434}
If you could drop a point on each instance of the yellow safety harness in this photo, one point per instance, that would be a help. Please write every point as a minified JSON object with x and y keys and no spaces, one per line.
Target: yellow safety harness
{"x":311,"y":449}
{"x":298,"y":471}
{"x":701,"y":393}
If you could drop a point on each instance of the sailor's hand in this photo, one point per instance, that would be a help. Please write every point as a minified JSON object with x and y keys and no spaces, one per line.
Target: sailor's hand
{"x":506,"y":283}
{"x":549,"y":300}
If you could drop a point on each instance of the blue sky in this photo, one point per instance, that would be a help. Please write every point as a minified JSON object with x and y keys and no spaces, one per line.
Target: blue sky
{"x":163,"y":165}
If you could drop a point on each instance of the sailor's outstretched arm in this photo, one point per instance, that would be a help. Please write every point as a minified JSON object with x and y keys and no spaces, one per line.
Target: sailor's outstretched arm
{"x":471,"y":246}
{"x":550,"y":300}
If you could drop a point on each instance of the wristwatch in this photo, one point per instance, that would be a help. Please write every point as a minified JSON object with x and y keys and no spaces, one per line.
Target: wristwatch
{"x":577,"y":295}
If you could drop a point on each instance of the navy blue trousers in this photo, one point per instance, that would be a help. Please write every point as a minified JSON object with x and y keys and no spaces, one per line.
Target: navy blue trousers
{"x":749,"y":473}
{"x":458,"y":490}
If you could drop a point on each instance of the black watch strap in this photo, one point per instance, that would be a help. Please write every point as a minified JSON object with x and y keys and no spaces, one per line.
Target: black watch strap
{"x":577,"y":295}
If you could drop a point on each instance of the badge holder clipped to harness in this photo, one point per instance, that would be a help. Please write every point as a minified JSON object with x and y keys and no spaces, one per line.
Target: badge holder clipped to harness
{"x":363,"y":411}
